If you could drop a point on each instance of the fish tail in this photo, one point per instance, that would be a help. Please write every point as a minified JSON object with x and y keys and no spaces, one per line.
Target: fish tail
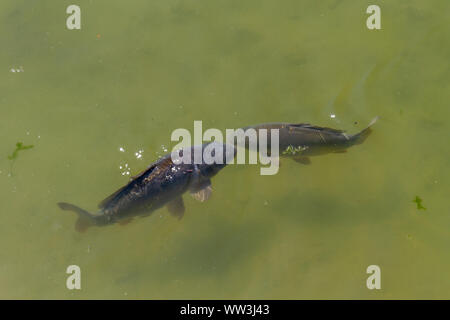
{"x":362,"y":136}
{"x":85,"y":219}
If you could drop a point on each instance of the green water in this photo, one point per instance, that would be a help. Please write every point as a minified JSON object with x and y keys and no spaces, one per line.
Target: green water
{"x":137,"y":70}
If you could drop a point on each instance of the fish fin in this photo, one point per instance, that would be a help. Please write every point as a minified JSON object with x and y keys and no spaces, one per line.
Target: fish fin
{"x":176,"y":207}
{"x":202,"y":194}
{"x":201,"y":191}
{"x":140,"y":174}
{"x":198,"y":185}
{"x":361,"y":136}
{"x":85,"y":219}
{"x":302,"y":160}
{"x":81,"y":225}
{"x":105,"y":201}
{"x":132,"y":181}
{"x":161,"y":164}
{"x":125,"y":221}
{"x":299,"y":126}
{"x":373,"y":121}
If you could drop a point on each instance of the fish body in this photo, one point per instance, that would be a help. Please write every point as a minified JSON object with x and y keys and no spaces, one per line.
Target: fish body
{"x":162,"y":183}
{"x":301,"y":140}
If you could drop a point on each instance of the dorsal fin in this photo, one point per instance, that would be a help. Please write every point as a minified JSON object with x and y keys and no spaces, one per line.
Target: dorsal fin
{"x":293,"y":127}
{"x":105,"y":201}
{"x":299,"y":125}
{"x":176,"y":207}
{"x":160,"y":164}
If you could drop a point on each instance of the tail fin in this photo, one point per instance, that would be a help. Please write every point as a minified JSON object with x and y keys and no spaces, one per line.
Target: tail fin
{"x":361,"y":136}
{"x":85,"y":219}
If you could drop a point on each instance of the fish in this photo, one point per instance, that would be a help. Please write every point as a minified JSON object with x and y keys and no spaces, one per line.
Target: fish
{"x":162,"y":184}
{"x":300,"y":141}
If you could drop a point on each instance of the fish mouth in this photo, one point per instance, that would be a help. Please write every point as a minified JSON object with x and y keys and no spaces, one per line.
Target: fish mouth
{"x":228,"y":152}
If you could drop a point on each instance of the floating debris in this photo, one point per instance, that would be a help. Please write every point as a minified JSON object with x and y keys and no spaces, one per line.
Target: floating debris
{"x":292,"y":151}
{"x":13,"y":156}
{"x":16,"y":70}
{"x":19,"y":147}
{"x":418,"y":201}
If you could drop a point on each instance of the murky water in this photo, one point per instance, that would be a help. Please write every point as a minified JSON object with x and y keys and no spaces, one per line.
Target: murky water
{"x":99,"y":104}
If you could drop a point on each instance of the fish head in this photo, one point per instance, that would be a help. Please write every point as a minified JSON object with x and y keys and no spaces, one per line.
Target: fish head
{"x":216,"y":156}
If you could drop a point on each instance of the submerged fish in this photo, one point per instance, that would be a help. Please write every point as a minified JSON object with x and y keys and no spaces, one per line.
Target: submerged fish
{"x":162,"y":183}
{"x":299,"y":141}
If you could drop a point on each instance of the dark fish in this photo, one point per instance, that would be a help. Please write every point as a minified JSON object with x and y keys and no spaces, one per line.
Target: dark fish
{"x":162,"y":183}
{"x":299,"y":141}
